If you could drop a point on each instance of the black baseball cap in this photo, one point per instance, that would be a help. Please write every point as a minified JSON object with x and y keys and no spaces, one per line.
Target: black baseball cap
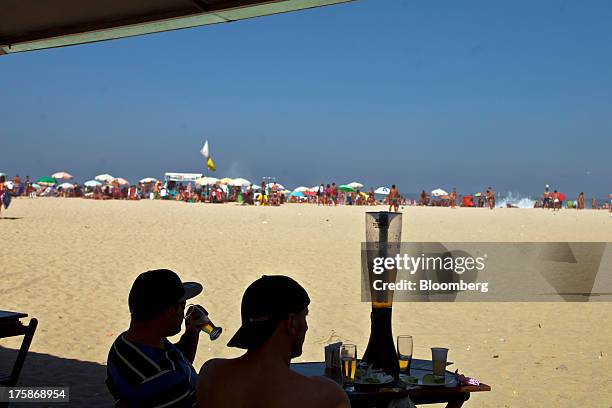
{"x":156,"y":290}
{"x":265,"y":303}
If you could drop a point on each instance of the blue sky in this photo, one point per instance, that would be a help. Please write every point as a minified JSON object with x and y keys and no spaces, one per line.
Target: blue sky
{"x":423,"y":94}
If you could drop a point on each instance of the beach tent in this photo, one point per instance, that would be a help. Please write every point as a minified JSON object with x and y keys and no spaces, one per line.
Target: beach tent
{"x":34,"y":25}
{"x":355,"y":185}
{"x":439,"y":192}
{"x":297,"y":194}
{"x":105,"y":178}
{"x":62,"y":175}
{"x":182,"y":176}
{"x":382,"y":190}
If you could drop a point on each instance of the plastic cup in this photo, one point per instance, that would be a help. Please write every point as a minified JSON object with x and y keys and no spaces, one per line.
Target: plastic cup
{"x":438,"y":360}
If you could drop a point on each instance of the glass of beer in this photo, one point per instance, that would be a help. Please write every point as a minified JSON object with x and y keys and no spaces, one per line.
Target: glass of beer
{"x":438,"y":359}
{"x":348,"y":360}
{"x":198,"y":316}
{"x":404,"y":353}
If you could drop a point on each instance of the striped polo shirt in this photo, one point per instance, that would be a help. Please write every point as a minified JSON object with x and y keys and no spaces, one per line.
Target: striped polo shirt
{"x":145,"y":376}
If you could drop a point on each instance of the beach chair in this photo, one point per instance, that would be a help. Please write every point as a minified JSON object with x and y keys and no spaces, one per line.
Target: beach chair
{"x":10,"y":326}
{"x":569,"y":204}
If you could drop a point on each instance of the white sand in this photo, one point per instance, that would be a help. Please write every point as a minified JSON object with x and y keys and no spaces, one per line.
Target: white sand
{"x":71,"y":262}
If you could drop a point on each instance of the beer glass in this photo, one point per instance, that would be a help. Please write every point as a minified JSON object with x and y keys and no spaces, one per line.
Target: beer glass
{"x":438,"y":361}
{"x":404,"y":353}
{"x":348,"y":361}
{"x":200,"y":317}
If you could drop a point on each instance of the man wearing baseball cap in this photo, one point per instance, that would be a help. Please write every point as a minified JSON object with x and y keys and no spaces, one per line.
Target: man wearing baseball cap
{"x":144,"y":368}
{"x":273,"y":311}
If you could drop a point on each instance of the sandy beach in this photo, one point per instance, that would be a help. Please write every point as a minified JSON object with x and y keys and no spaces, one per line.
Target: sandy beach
{"x":71,"y":262}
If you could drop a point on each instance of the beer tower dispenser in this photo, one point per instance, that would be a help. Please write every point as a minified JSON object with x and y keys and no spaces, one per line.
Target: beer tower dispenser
{"x":383,"y":237}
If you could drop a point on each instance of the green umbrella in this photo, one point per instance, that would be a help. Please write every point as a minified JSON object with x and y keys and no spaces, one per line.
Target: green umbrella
{"x":46,"y":181}
{"x":346,"y":188}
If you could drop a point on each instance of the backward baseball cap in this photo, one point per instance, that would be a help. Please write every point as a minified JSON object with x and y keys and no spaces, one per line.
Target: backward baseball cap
{"x":265,"y":303}
{"x":158,"y":289}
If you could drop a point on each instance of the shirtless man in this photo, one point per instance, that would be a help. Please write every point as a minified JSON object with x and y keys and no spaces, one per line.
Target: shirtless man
{"x":393,"y":198}
{"x":580,"y":201}
{"x":453,"y":198}
{"x":274,"y":310}
{"x":491,"y":198}
{"x":546,"y":198}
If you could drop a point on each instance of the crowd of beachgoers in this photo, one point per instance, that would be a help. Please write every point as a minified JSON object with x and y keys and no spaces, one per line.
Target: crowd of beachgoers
{"x":179,"y":187}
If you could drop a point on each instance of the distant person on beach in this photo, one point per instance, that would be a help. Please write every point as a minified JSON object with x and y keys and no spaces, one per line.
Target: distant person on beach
{"x":580,"y":205}
{"x":593,"y":204}
{"x":556,"y":201}
{"x":423,"y":198}
{"x":320,"y":193}
{"x":334,"y":194}
{"x":273,"y":311}
{"x":490,"y":196}
{"x":144,"y":369}
{"x":453,"y":198}
{"x":546,"y":197}
{"x":393,"y":198}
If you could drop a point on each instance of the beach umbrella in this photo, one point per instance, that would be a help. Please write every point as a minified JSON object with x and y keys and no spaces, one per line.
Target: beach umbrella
{"x":225,"y":180}
{"x":561,"y":196}
{"x":438,"y":192}
{"x":105,"y":178}
{"x":62,"y":175}
{"x":36,"y":185}
{"x":207,"y":181}
{"x":92,"y":183}
{"x":2,"y":174}
{"x":121,"y":181}
{"x":346,"y":188}
{"x":301,"y":189}
{"x":148,"y":180}
{"x":278,"y":186}
{"x":46,"y":181}
{"x":66,"y":186}
{"x":355,"y":185}
{"x":296,"y":193}
{"x":314,"y":189}
{"x":240,"y":182}
{"x":382,"y":190}
{"x":477,"y":194}
{"x":256,"y":187}
{"x":310,"y":193}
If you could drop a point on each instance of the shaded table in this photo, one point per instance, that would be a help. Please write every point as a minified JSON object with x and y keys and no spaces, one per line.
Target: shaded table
{"x":453,"y":396}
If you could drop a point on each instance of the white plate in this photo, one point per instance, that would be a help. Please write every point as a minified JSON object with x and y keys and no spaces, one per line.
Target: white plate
{"x":448,"y":380}
{"x":371,"y":383}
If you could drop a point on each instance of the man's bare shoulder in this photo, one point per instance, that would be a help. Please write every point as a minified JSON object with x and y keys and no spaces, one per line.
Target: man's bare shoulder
{"x":329,"y":392}
{"x":216,"y":365}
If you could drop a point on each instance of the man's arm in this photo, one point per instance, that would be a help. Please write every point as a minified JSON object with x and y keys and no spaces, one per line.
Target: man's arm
{"x":188,"y":344}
